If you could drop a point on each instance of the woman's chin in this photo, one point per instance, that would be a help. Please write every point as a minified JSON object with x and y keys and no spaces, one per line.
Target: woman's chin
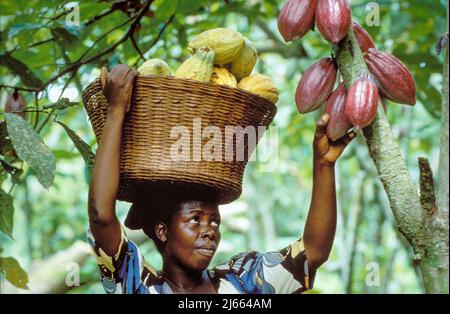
{"x":201,"y":261}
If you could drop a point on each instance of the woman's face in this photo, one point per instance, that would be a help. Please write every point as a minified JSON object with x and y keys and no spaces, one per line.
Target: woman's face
{"x":193,"y":235}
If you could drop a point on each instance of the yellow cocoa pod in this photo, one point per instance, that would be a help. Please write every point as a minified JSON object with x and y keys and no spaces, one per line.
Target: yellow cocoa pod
{"x":243,"y":65}
{"x":198,"y":67}
{"x":155,"y":67}
{"x":227,"y":44}
{"x":222,"y":76}
{"x":261,"y":85}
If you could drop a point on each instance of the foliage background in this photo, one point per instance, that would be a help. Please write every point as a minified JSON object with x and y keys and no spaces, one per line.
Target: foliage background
{"x":49,"y":224}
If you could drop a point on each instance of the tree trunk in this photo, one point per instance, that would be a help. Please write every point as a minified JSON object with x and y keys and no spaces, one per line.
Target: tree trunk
{"x":426,"y":231}
{"x":437,"y":261}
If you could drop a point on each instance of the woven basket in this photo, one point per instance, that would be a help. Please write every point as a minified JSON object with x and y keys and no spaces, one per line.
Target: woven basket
{"x":158,"y":105}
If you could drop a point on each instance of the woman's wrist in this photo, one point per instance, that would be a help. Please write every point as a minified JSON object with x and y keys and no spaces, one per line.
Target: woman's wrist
{"x":323,"y":164}
{"x":116,"y":112}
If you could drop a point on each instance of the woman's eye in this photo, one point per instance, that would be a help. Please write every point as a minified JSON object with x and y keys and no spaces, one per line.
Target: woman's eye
{"x":194,"y":219}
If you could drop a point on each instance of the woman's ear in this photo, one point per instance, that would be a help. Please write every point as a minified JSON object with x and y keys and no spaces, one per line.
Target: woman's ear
{"x":161,"y":231}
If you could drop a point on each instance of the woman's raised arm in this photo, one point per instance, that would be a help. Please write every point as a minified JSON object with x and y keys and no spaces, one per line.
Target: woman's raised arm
{"x":104,"y":186}
{"x":320,"y":225}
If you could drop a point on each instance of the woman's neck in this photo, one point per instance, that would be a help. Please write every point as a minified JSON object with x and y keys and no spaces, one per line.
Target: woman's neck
{"x":182,"y":278}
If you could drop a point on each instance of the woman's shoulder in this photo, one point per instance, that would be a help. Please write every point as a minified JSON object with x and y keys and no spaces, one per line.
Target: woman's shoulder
{"x":282,"y":271}
{"x":245,"y":261}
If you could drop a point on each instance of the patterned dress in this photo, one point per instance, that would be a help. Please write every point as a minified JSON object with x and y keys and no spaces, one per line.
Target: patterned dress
{"x":284,"y":271}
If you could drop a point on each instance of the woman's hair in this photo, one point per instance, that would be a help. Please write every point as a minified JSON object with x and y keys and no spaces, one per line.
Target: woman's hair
{"x":163,"y":208}
{"x":156,"y":212}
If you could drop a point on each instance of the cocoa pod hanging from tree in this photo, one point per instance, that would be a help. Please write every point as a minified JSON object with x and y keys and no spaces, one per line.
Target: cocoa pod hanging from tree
{"x":395,"y":81}
{"x":364,"y":39}
{"x":362,"y":101}
{"x":296,"y":18}
{"x":333,"y":19}
{"x":15,"y":102}
{"x":339,"y":123}
{"x":316,"y":85}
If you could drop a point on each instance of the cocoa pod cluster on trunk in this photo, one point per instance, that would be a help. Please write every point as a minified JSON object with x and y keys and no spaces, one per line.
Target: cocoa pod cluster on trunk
{"x":385,"y":77}
{"x":316,"y":85}
{"x":362,"y":101}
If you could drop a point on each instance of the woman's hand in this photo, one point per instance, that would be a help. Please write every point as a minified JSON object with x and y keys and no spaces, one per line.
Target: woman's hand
{"x":117,"y":87}
{"x":326,"y":152}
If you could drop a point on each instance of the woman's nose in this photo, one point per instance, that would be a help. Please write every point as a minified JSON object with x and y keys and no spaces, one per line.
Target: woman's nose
{"x":209,"y":232}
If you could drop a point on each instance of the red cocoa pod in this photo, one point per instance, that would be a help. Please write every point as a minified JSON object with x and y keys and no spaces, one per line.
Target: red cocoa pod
{"x":339,"y":124}
{"x":364,"y":39}
{"x":394,"y":79}
{"x":296,"y":18}
{"x":15,"y":102}
{"x":316,"y":85}
{"x":362,"y":101}
{"x":333,"y":19}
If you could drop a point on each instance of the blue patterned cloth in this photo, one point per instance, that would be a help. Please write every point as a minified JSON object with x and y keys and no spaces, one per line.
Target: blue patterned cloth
{"x":284,"y":271}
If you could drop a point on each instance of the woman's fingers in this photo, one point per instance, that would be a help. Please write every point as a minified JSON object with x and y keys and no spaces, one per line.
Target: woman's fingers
{"x":103,"y":77}
{"x":321,"y":126}
{"x":344,"y":141}
{"x":131,"y":75}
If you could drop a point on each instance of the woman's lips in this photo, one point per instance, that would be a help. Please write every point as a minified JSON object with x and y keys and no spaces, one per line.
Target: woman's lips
{"x":206,"y":251}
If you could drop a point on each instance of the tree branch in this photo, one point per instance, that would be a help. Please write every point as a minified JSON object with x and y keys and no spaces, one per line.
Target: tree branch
{"x":77,"y":64}
{"x":113,"y":8}
{"x":136,"y":47}
{"x":158,"y":37}
{"x":292,"y":51}
{"x":27,"y":89}
{"x":103,"y":36}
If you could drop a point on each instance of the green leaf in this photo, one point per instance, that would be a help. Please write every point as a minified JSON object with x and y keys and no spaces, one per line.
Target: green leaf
{"x":13,"y":272}
{"x":30,"y":148}
{"x":63,"y":103}
{"x":433,"y":101}
{"x":166,"y":9}
{"x":17,"y":28}
{"x":6,"y":213}
{"x":82,"y":146}
{"x":64,"y":37}
{"x":64,"y":154}
{"x":20,"y":69}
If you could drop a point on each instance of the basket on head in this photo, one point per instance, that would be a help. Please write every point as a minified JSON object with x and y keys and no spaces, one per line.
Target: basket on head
{"x":167,"y":114}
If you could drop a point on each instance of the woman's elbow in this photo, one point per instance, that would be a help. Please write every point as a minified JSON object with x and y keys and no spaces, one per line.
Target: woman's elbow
{"x":317,"y":260}
{"x":101,"y":213}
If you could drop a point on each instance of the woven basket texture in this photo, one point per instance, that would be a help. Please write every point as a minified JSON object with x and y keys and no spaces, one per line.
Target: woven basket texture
{"x":160,"y":104}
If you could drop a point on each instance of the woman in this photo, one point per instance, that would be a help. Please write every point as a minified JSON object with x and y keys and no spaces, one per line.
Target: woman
{"x":186,"y":228}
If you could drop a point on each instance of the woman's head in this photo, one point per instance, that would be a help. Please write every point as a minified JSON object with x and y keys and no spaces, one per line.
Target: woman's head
{"x":185,"y":232}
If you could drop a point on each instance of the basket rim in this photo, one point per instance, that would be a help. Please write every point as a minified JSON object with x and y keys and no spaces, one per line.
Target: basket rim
{"x":195,"y":82}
